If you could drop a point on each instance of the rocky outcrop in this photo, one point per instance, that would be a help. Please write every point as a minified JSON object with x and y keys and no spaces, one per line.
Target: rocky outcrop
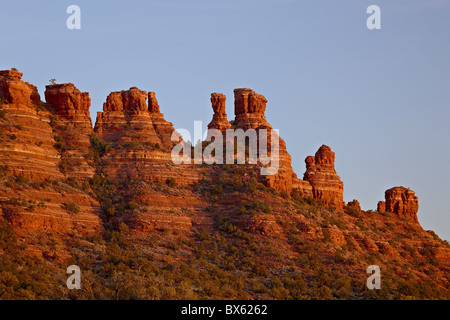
{"x":34,"y":144}
{"x":127,"y":101}
{"x":219,"y":120}
{"x":68,"y":100}
{"x":249,"y":109}
{"x":153,"y":105}
{"x":126,"y":118}
{"x":72,"y":123}
{"x":15,"y":91}
{"x":163,"y":128}
{"x":402,"y":202}
{"x":320,"y":173}
{"x":355,"y":205}
{"x":140,"y":138}
{"x":27,"y":142}
{"x":381,"y":207}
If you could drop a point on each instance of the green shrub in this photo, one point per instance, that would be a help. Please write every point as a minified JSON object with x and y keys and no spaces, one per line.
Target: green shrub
{"x":171,"y":182}
{"x":71,"y":208}
{"x":3,"y":170}
{"x":3,"y":112}
{"x":22,"y":179}
{"x":98,"y":147}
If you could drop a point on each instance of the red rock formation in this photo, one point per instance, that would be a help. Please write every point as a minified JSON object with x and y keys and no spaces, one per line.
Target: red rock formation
{"x":163,"y":128}
{"x":381,"y":207}
{"x":15,"y":91}
{"x":129,"y":101}
{"x":31,"y":151}
{"x":354,"y":204}
{"x":73,"y":123}
{"x":27,"y":143}
{"x":402,"y":202}
{"x":67,"y":99}
{"x":326,"y":184}
{"x":248,"y":101}
{"x":219,"y":120}
{"x":249,"y":108}
{"x":141,"y":138}
{"x":153,"y":106}
{"x":125,"y":118}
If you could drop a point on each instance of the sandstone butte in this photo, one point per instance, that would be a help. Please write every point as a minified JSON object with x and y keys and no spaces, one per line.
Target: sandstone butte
{"x":54,"y":148}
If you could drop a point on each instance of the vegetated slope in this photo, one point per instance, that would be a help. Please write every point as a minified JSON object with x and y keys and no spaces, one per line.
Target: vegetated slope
{"x":111,"y":201}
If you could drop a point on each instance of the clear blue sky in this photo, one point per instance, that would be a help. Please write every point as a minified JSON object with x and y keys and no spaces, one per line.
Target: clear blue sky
{"x":379,"y":99}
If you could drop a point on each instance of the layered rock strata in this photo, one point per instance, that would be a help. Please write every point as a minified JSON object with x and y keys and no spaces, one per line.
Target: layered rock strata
{"x":402,"y":202}
{"x":73,"y":126}
{"x":34,"y":195}
{"x":27,"y":142}
{"x":321,"y":174}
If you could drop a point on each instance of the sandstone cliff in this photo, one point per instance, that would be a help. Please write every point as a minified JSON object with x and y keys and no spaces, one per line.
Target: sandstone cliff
{"x":72,"y":125}
{"x":34,"y":150}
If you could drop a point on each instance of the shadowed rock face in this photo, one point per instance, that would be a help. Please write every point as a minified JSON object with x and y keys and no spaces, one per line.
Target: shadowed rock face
{"x":402,"y":202}
{"x":381,"y":207}
{"x":153,"y":106}
{"x":320,"y":173}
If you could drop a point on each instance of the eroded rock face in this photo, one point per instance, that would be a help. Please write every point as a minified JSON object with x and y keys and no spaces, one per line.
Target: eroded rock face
{"x":248,"y":101}
{"x":15,"y":91}
{"x":219,"y":120}
{"x":32,"y":138}
{"x":354,"y":204}
{"x":130,"y":101}
{"x":402,"y":202}
{"x":27,"y":142}
{"x":67,"y":99}
{"x":381,"y":207}
{"x":74,"y":125}
{"x":249,"y":109}
{"x":141,"y":138}
{"x":153,"y":105}
{"x":218,"y":103}
{"x":125,"y":118}
{"x":326,"y":184}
